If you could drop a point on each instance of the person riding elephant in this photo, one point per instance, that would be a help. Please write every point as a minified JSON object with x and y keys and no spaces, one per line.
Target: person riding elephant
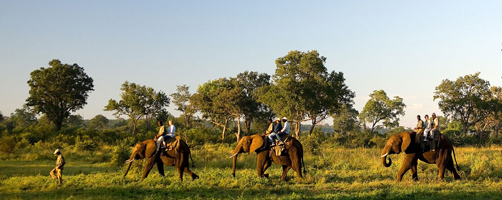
{"x":292,"y":158}
{"x":177,"y":157}
{"x":277,"y":128}
{"x":402,"y":142}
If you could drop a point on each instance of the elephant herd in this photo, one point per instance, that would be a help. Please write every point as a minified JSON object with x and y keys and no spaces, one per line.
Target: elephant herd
{"x":292,"y":156}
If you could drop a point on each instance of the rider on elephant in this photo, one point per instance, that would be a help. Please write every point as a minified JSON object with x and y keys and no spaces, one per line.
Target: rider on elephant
{"x":160,"y":136}
{"x":427,"y":128}
{"x":277,"y":129}
{"x":284,"y":131}
{"x":419,"y":130}
{"x":435,"y":131}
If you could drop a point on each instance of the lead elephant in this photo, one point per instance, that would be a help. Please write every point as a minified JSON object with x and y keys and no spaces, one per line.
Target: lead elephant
{"x":403,"y":142}
{"x":175,"y":157}
{"x":292,"y":158}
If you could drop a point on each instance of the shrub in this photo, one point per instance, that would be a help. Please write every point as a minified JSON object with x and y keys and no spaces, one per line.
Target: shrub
{"x":121,"y":152}
{"x":7,"y":144}
{"x":85,"y":143}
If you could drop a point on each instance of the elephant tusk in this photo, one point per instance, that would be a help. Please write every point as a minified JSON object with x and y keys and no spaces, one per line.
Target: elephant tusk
{"x":384,"y":155}
{"x":233,"y":155}
{"x":129,"y":161}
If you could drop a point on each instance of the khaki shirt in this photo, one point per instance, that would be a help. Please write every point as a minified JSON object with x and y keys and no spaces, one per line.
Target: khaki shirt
{"x":161,"y":131}
{"x":420,"y":124}
{"x":270,"y":128}
{"x":60,"y":162}
{"x":436,"y":123}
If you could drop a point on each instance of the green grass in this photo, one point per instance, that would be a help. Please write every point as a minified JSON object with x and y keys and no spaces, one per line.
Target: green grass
{"x":338,"y":173}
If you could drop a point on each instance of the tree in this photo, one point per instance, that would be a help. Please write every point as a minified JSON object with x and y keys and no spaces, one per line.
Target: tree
{"x":346,"y":120}
{"x":252,"y":109}
{"x":59,"y":90}
{"x":467,"y":100}
{"x":138,"y":102}
{"x":22,"y":117}
{"x":75,"y":121}
{"x":302,"y":89}
{"x":219,"y":101}
{"x":380,"y":108}
{"x":182,"y":101}
{"x":98,"y":121}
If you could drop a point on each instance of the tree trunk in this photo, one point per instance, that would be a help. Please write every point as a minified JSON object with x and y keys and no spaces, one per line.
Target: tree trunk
{"x":224,"y":129}
{"x":298,"y":126}
{"x":238,"y":134}
{"x":312,"y":129}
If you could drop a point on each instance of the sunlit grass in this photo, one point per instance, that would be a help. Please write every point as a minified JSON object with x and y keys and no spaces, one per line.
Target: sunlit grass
{"x":337,"y":173}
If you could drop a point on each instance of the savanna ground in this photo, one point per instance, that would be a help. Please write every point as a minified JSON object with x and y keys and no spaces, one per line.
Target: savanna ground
{"x":336,"y":173}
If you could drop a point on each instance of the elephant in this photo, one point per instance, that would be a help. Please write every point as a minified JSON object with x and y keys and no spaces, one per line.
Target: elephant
{"x":404,"y":142}
{"x":293,"y":158}
{"x":175,"y":157}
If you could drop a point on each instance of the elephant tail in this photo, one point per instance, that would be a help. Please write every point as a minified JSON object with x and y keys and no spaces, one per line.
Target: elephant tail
{"x":303,"y":164}
{"x":455,"y":158}
{"x":193,"y":166}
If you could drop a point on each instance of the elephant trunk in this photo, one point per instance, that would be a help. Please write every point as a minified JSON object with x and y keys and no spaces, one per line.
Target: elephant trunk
{"x":384,"y":162}
{"x":131,"y":159}
{"x":385,"y":153}
{"x":238,"y":149}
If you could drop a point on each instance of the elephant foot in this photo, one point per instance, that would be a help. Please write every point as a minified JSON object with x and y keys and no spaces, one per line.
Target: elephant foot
{"x":265,"y":175}
{"x":195,"y":176}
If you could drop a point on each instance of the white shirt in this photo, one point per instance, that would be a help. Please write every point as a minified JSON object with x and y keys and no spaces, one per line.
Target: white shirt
{"x":285,"y":128}
{"x":171,"y":130}
{"x":427,"y":124}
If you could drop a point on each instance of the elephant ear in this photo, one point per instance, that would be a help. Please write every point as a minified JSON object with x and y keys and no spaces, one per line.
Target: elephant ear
{"x":256,"y":142}
{"x":406,"y":141}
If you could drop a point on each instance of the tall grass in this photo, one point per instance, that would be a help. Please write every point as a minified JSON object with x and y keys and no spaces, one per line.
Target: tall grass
{"x":332,"y":173}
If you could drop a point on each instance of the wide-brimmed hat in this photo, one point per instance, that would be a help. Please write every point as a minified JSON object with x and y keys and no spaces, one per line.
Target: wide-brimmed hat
{"x":284,"y":118}
{"x":57,"y":151}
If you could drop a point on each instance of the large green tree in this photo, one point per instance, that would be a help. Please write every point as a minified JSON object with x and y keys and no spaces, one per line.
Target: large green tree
{"x":345,"y":121}
{"x":219,"y":101}
{"x":181,"y":99}
{"x":302,"y":89}
{"x":251,"y":108}
{"x":467,"y":99}
{"x":138,"y":101}
{"x":58,"y":90}
{"x":380,"y":108}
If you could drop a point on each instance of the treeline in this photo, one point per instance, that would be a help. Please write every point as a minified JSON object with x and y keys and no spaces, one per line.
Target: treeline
{"x":222,"y":110}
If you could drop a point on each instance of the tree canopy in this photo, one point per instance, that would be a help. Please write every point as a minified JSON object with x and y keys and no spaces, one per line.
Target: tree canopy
{"x":380,"y":108}
{"x":302,"y":89}
{"x":467,"y":99}
{"x":58,"y":90}
{"x":138,"y":101}
{"x":181,"y":99}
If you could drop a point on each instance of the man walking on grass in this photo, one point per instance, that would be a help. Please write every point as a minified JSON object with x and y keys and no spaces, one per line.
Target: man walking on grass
{"x":57,"y":172}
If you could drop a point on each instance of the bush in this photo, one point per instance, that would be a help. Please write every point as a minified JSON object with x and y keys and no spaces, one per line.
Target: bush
{"x":121,"y":152}
{"x":7,"y":144}
{"x":85,"y":143}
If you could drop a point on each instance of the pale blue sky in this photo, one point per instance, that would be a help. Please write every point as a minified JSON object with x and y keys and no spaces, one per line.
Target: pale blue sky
{"x":405,"y":48}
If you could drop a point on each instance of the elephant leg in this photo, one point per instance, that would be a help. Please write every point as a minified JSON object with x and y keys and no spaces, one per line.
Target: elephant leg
{"x":268,"y":163}
{"x":149,"y":165}
{"x":414,"y":174}
{"x":180,"y":172}
{"x":407,"y":163}
{"x":296,"y":164}
{"x":452,"y":169}
{"x":160,"y":167}
{"x":442,"y":162}
{"x":285,"y":169}
{"x":260,"y":163}
{"x":191,"y":174}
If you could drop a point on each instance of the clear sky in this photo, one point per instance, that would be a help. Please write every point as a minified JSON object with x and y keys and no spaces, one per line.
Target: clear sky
{"x":403,"y":47}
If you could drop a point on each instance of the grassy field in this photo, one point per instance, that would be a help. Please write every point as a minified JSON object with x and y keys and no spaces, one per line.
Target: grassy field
{"x":337,"y":173}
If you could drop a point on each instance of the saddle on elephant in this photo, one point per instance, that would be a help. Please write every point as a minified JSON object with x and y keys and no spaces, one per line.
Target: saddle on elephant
{"x":280,"y":149}
{"x":428,"y":144}
{"x":171,"y":143}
